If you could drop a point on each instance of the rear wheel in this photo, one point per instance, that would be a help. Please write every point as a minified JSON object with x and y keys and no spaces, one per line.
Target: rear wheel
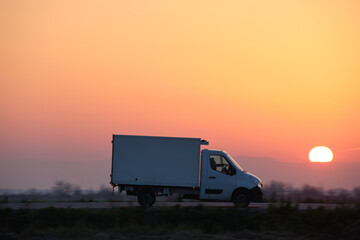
{"x":146,"y":198}
{"x":241,"y":198}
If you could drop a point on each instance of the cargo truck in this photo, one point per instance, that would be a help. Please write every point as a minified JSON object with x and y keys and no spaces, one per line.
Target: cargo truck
{"x":147,"y":167}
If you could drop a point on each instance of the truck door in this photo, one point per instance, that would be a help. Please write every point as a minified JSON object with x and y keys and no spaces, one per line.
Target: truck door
{"x":220,"y":180}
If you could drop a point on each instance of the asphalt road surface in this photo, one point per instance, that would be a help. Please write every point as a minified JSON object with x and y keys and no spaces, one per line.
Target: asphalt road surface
{"x":95,"y":205}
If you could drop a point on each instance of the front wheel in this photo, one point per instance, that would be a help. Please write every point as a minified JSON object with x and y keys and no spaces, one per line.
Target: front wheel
{"x":146,"y":198}
{"x":241,"y":198}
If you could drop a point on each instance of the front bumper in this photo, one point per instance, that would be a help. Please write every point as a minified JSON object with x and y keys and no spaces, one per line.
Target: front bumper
{"x":256,"y":194}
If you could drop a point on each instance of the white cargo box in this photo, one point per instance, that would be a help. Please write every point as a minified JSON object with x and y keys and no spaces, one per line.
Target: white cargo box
{"x":156,"y":161}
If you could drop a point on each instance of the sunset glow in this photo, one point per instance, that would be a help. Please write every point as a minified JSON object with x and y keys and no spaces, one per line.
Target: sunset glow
{"x":255,"y":78}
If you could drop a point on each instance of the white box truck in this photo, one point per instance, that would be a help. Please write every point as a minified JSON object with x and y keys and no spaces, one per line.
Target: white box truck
{"x":147,"y":167}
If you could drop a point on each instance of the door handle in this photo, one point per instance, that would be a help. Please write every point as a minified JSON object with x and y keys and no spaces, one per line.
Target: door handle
{"x":212,"y":177}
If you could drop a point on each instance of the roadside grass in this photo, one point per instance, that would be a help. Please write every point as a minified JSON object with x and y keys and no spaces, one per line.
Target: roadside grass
{"x":286,"y":219}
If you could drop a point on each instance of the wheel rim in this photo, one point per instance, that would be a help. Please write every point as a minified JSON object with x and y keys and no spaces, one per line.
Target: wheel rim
{"x":146,"y":199}
{"x":241,"y":198}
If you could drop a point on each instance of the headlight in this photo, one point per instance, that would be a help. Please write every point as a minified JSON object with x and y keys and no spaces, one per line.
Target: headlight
{"x":256,"y":181}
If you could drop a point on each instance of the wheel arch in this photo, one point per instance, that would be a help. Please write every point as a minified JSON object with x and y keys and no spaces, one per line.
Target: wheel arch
{"x":255,"y":194}
{"x":146,"y":188}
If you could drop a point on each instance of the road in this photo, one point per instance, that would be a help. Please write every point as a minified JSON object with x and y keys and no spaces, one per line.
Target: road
{"x":96,"y":205}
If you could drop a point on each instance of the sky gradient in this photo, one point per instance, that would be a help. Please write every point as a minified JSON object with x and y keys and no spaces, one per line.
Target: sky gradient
{"x":255,"y":78}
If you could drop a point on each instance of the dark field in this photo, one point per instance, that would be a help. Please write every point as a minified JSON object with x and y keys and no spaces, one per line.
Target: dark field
{"x":276,"y":222}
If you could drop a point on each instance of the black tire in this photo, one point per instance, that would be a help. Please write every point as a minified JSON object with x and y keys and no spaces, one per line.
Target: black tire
{"x":146,"y":198}
{"x":241,"y":198}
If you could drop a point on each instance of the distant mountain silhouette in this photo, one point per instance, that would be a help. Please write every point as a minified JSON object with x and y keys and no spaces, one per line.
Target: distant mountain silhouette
{"x":326,"y":175}
{"x":27,"y":174}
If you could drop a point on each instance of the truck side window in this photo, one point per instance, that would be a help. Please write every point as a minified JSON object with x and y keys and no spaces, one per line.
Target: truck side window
{"x":220,"y":164}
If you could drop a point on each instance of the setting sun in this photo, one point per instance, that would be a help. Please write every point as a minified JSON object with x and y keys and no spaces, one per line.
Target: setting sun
{"x":320,"y":154}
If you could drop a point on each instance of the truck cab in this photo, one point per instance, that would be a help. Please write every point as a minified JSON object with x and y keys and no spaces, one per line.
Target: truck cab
{"x":223,"y":179}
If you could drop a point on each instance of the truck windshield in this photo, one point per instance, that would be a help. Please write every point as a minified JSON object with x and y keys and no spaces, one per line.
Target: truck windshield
{"x":235,"y":163}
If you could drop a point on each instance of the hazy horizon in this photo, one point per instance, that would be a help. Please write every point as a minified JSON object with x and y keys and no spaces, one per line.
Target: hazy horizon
{"x":43,"y":174}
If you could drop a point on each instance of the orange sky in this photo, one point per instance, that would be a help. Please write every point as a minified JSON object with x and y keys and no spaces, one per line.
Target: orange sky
{"x":255,"y":78}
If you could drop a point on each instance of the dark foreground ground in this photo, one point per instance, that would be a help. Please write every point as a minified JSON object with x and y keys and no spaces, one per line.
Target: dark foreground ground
{"x":197,"y":222}
{"x":96,"y":205}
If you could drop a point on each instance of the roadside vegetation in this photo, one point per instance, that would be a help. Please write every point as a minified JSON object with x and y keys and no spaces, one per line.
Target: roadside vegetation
{"x":281,"y":192}
{"x":281,"y":221}
{"x":274,"y":192}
